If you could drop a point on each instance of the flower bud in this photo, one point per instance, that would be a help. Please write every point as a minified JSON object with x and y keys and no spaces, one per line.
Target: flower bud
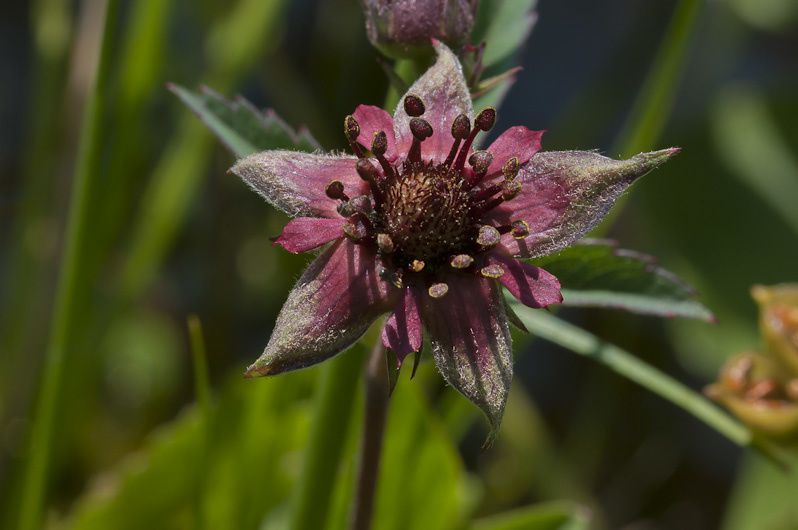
{"x":754,"y":389}
{"x":404,"y":28}
{"x":778,"y":322}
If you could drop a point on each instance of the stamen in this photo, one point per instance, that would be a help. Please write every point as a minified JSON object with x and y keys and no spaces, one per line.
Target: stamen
{"x":379,"y":146}
{"x":483,"y":122}
{"x":357,"y":228}
{"x":352,"y":131}
{"x":414,"y":107}
{"x":492,"y":271}
{"x":461,"y":261}
{"x":488,"y":236}
{"x":421,"y":130}
{"x":510,"y":189}
{"x":335,"y":190}
{"x":438,"y":290}
{"x":361,"y":204}
{"x":461,"y":128}
{"x":393,"y":276}
{"x":417,"y":265}
{"x":480,"y":162}
{"x":520,"y":229}
{"x":370,"y":174}
{"x":385,"y":243}
{"x":510,"y":168}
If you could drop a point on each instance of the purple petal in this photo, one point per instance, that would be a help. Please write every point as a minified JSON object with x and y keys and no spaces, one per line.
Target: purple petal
{"x":517,"y":142}
{"x":567,"y":193}
{"x":373,"y":120}
{"x":471,"y":342}
{"x":295,"y":182}
{"x":445,"y":94}
{"x":306,"y":233}
{"x":531,"y":285}
{"x":402,"y":331}
{"x":331,"y":306}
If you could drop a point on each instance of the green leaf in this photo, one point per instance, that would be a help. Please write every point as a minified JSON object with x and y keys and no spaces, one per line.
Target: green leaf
{"x":596,"y":273}
{"x":504,"y":25}
{"x":242,"y":127}
{"x":550,"y":516}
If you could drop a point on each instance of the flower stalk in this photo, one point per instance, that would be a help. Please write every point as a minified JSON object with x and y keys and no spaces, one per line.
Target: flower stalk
{"x":377,"y":392}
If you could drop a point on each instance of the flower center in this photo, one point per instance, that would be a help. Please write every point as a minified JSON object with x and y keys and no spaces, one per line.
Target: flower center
{"x":427,"y":214}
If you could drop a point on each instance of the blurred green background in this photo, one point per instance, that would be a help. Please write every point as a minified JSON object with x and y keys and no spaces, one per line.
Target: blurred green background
{"x":171,"y":234}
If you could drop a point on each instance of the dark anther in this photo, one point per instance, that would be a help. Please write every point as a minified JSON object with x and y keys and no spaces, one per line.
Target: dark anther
{"x":510,"y":168}
{"x":492,"y":271}
{"x":361,"y":204}
{"x":420,"y":128}
{"x":351,"y":128}
{"x":488,"y":236}
{"x":461,"y":127}
{"x":437,"y":290}
{"x":461,"y":261}
{"x":510,"y":189}
{"x":393,"y":276}
{"x":335,"y":190}
{"x":417,"y":265}
{"x":356,"y":228}
{"x":485,"y":119}
{"x":480,"y":161}
{"x":380,"y":143}
{"x":366,"y":170}
{"x":414,"y":107}
{"x":352,"y":131}
{"x":520,"y":229}
{"x":346,"y":209}
{"x":385,"y":243}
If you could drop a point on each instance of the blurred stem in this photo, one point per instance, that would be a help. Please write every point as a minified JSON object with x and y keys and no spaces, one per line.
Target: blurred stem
{"x":203,"y":395}
{"x":376,"y":402}
{"x":654,"y":103}
{"x":331,"y":417}
{"x":576,"y":339}
{"x":78,"y":229}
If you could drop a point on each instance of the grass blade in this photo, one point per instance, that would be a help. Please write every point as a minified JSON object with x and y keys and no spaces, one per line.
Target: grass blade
{"x":78,"y":230}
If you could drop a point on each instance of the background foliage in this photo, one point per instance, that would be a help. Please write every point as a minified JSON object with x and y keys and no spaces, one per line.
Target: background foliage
{"x":169,"y":234}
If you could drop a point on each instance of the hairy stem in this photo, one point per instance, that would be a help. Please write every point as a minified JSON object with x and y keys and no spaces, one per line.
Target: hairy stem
{"x":376,"y":402}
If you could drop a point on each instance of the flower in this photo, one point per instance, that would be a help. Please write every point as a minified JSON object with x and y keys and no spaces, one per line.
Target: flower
{"x":426,"y":227}
{"x":404,"y":28}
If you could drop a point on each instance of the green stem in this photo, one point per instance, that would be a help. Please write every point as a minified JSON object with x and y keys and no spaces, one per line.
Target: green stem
{"x":378,"y":390}
{"x":86,"y":178}
{"x":330,"y":425}
{"x":576,"y":339}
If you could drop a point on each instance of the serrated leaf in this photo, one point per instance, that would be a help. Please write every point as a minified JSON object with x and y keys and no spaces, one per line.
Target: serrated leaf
{"x":241,"y":126}
{"x":599,"y":274}
{"x":551,"y":516}
{"x":509,"y":23}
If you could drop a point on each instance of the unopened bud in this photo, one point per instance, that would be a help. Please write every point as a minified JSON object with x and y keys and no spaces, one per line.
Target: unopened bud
{"x":404,"y":28}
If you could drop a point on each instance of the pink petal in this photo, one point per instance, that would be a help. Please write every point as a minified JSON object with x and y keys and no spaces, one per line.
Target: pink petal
{"x":296,"y":182}
{"x":531,"y":285}
{"x":402,"y":331}
{"x":564,"y":194}
{"x":471,"y":341}
{"x":372,"y":120}
{"x":306,"y":233}
{"x":331,"y":306}
{"x":445,"y":94}
{"x":516,"y":141}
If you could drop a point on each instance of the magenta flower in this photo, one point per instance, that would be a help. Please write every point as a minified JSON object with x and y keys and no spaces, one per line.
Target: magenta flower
{"x":427,"y":228}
